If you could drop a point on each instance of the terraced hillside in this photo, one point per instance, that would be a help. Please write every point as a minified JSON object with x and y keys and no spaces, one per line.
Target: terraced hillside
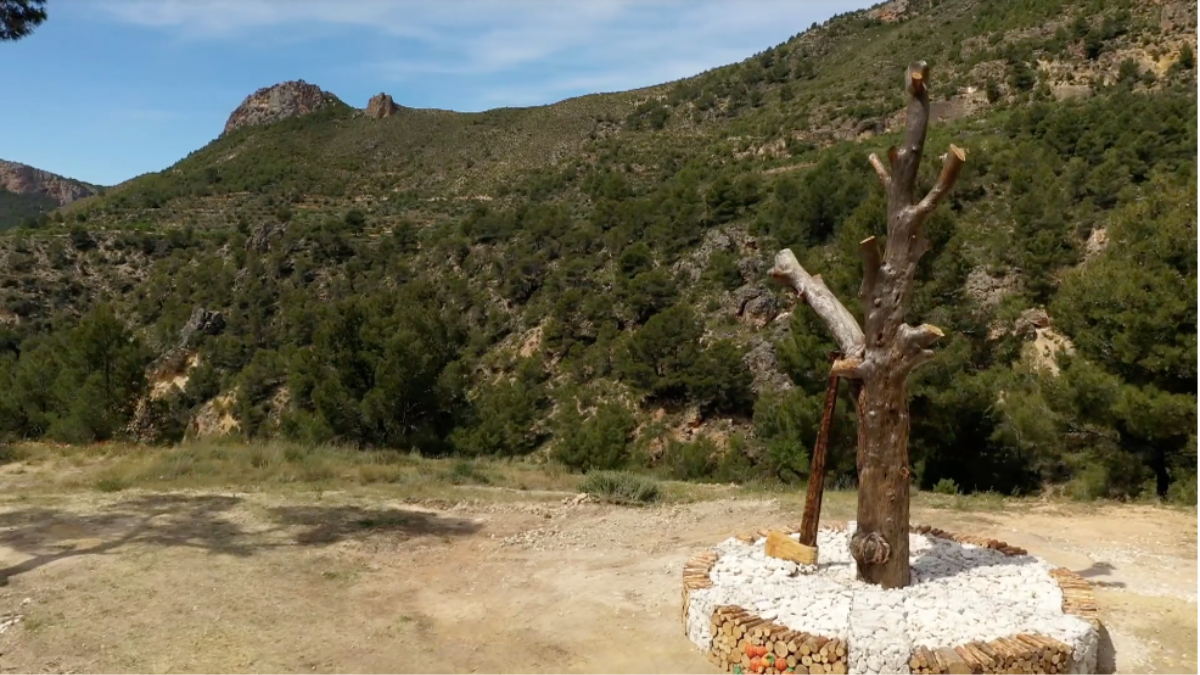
{"x":585,"y":281}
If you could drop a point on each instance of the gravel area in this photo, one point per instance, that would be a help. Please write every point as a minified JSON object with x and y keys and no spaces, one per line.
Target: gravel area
{"x":960,"y":593}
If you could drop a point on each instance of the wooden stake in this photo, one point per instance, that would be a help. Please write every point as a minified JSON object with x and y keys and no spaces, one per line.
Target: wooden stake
{"x":816,"y":474}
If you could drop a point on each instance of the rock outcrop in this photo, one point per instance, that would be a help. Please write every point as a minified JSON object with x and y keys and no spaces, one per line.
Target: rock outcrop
{"x":23,"y":179}
{"x":275,"y":103}
{"x":265,"y":236}
{"x":762,"y":360}
{"x":1030,"y":321}
{"x":380,"y":106}
{"x":989,"y":290}
{"x":755,"y":304}
{"x":202,"y":322}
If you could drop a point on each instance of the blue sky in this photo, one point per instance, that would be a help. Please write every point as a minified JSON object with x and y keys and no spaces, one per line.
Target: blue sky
{"x":109,"y":89}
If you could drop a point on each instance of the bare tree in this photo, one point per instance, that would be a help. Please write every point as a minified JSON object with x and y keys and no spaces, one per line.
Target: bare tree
{"x":18,"y":18}
{"x":878,"y":361}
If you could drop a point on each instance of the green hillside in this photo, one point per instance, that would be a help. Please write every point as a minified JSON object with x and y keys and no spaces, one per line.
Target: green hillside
{"x":16,"y":209}
{"x":586,"y":281}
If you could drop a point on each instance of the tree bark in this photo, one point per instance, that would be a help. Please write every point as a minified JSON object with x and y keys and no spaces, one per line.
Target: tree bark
{"x":879,"y":357}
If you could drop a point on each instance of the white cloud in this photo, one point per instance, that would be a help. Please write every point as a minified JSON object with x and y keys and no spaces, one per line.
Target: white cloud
{"x":513,"y":52}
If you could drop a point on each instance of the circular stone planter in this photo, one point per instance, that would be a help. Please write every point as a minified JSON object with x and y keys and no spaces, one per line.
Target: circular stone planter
{"x":974,"y":606}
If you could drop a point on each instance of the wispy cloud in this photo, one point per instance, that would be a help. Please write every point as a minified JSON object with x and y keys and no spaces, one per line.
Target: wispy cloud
{"x":146,"y":115}
{"x":511,"y":52}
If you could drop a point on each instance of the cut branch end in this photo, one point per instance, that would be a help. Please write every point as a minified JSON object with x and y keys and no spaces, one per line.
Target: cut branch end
{"x":918,"y":76}
{"x":952,"y":164}
{"x":849,"y":368}
{"x":881,"y":171}
{"x":920,"y":337}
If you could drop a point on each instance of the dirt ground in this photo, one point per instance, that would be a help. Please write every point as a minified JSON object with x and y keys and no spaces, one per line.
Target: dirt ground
{"x":345,"y":582}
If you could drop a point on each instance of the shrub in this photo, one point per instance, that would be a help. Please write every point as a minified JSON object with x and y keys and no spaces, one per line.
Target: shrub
{"x":784,"y":422}
{"x":11,"y":453}
{"x":464,"y":472}
{"x":620,"y":487}
{"x":111,"y":484}
{"x":665,"y":359}
{"x":1183,"y":491}
{"x":505,"y":420}
{"x":600,"y":443}
{"x":946,"y":486}
{"x":81,"y":239}
{"x":723,"y":270}
{"x":690,"y":460}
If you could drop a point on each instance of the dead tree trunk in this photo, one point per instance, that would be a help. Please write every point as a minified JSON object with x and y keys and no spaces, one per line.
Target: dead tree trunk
{"x":879,"y":359}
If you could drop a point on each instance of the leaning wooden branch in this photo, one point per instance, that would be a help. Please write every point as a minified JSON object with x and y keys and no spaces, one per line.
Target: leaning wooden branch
{"x":840,"y":321}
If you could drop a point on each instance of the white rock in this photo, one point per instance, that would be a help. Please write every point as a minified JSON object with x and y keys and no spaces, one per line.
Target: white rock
{"x":960,"y":594}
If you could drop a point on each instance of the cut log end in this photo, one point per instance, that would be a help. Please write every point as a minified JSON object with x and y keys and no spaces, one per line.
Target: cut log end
{"x":918,"y":77}
{"x":848,"y":368}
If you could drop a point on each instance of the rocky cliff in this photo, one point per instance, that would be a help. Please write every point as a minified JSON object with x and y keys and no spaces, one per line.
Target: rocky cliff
{"x":277,"y":102}
{"x":25,"y":180}
{"x":381,"y":105}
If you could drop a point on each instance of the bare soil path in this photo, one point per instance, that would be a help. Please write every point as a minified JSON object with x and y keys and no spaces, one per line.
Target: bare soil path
{"x":223,"y":582}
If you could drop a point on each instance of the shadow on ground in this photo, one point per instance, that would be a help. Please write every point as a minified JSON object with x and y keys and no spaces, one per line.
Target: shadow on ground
{"x":203,"y":522}
{"x":946,"y":558}
{"x":1098,"y":570}
{"x":327,"y":525}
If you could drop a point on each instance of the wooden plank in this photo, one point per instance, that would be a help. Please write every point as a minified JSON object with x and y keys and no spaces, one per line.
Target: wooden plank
{"x":781,"y":546}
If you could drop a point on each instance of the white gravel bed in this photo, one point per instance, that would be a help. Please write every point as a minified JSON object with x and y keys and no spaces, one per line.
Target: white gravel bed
{"x":960,"y":593}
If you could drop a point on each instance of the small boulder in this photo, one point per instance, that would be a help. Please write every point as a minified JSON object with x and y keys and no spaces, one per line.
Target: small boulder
{"x":202,"y":322}
{"x":755,"y":304}
{"x":1030,"y":321}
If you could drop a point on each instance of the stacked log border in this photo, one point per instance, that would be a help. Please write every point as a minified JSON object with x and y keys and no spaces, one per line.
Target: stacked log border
{"x":735,"y":629}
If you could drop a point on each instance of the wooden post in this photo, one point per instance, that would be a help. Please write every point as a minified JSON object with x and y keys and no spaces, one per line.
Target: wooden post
{"x":879,"y":356}
{"x":816,"y":473}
